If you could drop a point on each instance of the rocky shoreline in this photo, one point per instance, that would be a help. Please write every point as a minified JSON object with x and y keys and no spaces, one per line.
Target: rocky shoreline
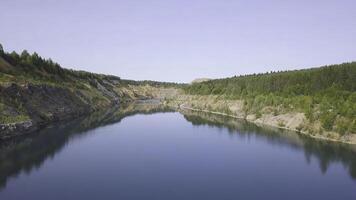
{"x":174,"y":99}
{"x":288,"y":120}
{"x":349,"y":139}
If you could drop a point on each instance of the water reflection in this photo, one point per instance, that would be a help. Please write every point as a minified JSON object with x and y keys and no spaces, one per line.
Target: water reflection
{"x":28,"y":153}
{"x":325,"y":152}
{"x":24,"y":154}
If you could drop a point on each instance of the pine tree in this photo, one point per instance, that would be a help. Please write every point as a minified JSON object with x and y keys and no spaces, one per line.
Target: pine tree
{"x":1,"y":50}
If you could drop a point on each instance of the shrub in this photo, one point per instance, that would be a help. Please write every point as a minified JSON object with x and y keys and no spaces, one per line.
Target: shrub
{"x":327,"y":120}
{"x":300,"y":127}
{"x":275,"y":112}
{"x":342,"y":126}
{"x":352,"y":128}
{"x":258,"y":115}
{"x":281,"y":123}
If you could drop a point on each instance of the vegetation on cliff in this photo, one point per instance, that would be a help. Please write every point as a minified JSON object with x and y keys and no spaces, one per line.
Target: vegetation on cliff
{"x":326,"y":94}
{"x":39,"y":90}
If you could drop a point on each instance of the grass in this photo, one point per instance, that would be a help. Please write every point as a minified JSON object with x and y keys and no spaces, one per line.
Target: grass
{"x":13,"y":119}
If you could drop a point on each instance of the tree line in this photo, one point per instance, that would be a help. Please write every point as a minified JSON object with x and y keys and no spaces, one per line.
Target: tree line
{"x":327,"y":93}
{"x":35,"y":67}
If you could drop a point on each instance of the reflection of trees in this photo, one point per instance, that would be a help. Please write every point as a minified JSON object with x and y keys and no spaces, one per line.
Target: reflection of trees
{"x":324,"y":151}
{"x":328,"y":153}
{"x":23,"y":154}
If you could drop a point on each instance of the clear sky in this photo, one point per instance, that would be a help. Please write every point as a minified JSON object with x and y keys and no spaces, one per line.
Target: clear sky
{"x":180,"y":40}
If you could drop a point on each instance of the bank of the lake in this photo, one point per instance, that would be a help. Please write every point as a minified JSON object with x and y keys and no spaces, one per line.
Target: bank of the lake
{"x":289,"y":120}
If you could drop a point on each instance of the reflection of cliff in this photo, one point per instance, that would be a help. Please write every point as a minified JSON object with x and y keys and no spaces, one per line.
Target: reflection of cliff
{"x":325,"y":152}
{"x":27,"y":153}
{"x":23,"y":154}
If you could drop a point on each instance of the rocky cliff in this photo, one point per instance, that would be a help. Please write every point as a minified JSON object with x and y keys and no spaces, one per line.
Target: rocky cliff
{"x":35,"y":92}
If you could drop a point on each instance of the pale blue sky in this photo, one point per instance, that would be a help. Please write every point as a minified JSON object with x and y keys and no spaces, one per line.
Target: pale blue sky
{"x":179,"y":40}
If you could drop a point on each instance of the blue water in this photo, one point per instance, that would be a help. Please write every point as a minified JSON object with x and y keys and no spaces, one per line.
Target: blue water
{"x":172,"y":156}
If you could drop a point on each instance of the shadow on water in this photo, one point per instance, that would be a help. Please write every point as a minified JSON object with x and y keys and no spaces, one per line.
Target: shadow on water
{"x":325,"y":152}
{"x":27,"y":153}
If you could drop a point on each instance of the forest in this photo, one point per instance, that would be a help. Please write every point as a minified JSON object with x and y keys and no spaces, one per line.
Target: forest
{"x":326,"y":94}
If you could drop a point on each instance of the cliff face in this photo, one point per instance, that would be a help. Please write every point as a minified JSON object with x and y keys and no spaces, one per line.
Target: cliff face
{"x":35,"y":92}
{"x":29,"y":106}
{"x":25,"y":108}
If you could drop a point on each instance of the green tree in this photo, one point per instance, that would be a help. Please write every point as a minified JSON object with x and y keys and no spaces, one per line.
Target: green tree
{"x":1,"y":50}
{"x":24,"y":54}
{"x":15,"y":56}
{"x":25,"y":57}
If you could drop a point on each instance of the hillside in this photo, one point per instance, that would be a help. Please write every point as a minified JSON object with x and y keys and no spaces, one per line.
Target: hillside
{"x":35,"y":91}
{"x":318,"y":101}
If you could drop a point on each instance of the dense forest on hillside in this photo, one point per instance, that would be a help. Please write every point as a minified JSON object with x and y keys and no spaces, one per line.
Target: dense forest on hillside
{"x":326,"y":94}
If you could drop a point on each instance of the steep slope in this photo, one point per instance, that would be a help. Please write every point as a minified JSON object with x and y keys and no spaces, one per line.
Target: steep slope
{"x":35,"y":91}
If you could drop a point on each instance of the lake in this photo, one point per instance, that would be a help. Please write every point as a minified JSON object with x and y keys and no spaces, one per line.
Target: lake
{"x":145,"y":151}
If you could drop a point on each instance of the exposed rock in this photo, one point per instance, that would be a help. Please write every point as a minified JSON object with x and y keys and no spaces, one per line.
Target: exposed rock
{"x":15,"y":129}
{"x":295,"y":121}
{"x":200,"y":80}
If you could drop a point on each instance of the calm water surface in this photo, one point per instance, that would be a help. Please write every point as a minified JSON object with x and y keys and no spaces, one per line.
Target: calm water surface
{"x":151,"y":153}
